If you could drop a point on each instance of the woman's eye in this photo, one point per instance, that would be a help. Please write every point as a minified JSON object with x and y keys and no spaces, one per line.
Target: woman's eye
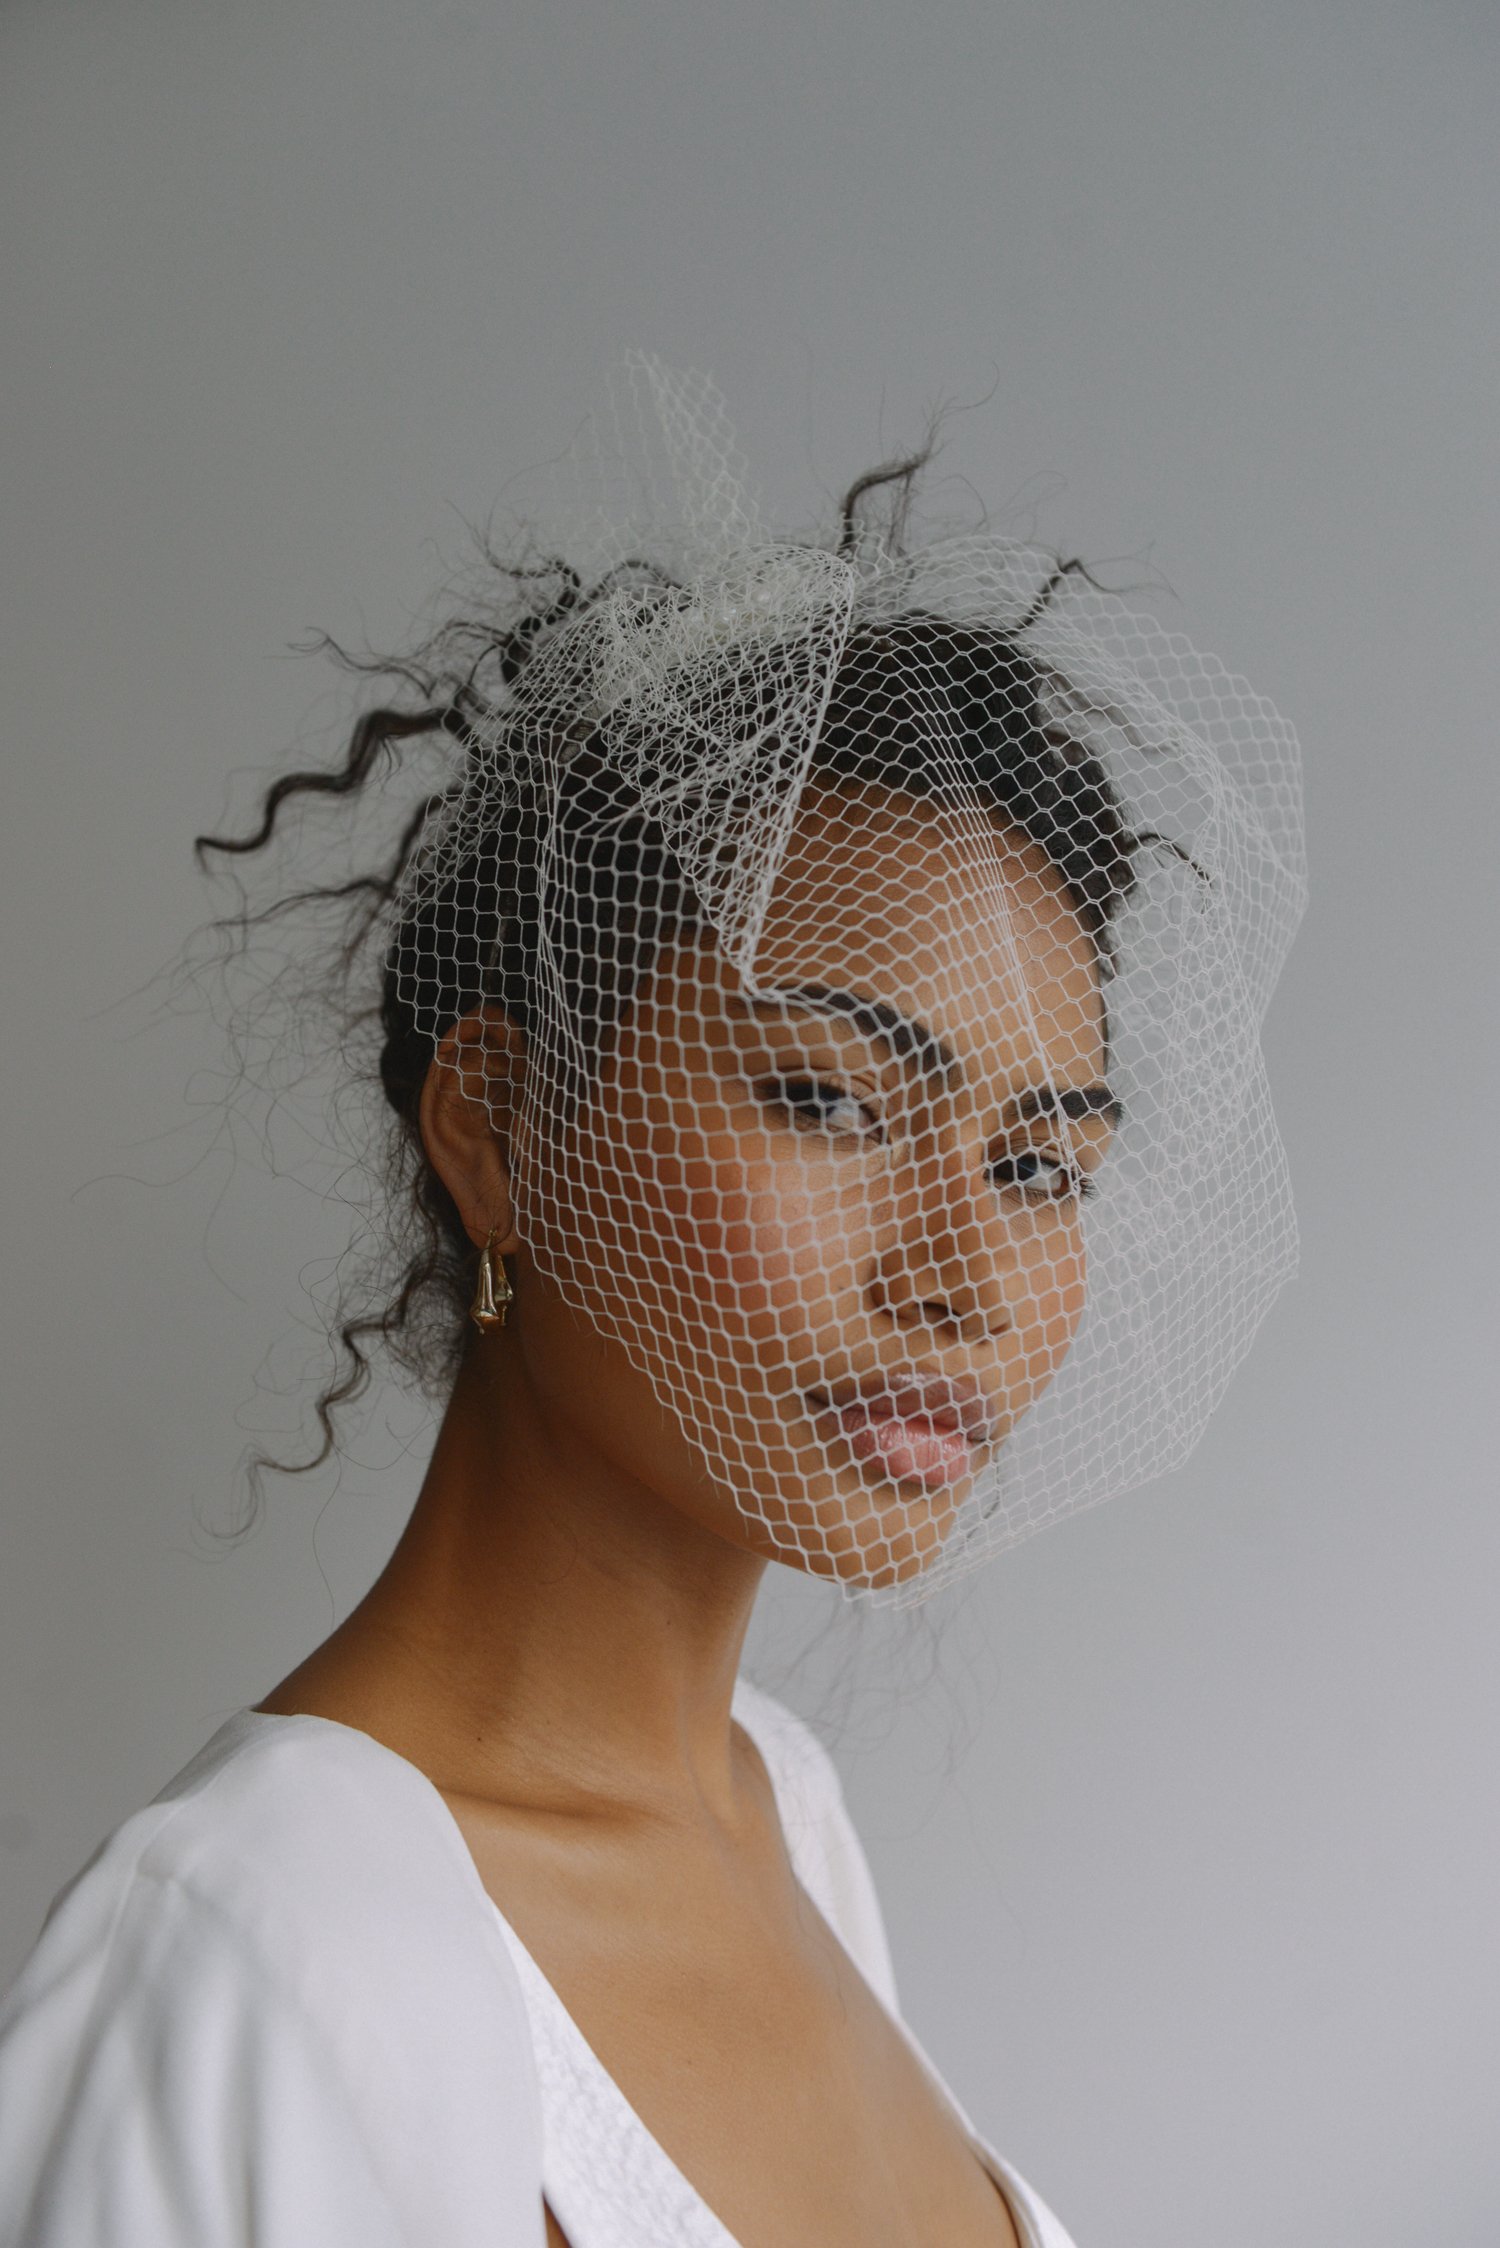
{"x":823,"y":1103}
{"x":1042,"y":1177}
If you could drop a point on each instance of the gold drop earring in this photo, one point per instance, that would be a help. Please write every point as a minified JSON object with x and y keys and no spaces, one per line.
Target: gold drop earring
{"x":492,"y":1290}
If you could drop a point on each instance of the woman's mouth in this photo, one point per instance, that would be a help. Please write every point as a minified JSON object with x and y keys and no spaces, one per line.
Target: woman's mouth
{"x":910,"y":1445}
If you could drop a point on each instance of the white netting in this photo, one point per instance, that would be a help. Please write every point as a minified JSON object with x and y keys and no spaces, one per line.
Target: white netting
{"x":812,"y":906}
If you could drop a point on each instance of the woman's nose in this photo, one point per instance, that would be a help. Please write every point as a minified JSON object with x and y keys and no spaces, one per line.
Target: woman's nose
{"x":956,"y":1267}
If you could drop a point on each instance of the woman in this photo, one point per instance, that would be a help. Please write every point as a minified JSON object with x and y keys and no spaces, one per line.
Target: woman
{"x":780,"y":985}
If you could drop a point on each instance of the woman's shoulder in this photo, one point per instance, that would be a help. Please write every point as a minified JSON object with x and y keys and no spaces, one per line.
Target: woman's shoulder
{"x":284,"y":1968}
{"x":309,"y":1845}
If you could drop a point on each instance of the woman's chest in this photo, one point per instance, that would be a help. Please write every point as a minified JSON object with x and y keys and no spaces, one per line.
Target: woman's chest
{"x":719,"y":2017}
{"x":790,"y":2129}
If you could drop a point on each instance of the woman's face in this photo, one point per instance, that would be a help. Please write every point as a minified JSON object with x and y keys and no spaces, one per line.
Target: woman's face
{"x":835,"y":1232}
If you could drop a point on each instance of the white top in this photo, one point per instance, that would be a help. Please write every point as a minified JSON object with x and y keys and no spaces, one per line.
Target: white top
{"x":278,"y":2008}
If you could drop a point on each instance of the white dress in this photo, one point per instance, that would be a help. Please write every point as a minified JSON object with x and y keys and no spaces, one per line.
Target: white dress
{"x":278,"y":2009}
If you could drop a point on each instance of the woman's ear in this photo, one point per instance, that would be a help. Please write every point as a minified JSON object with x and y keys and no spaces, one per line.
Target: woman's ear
{"x":468,"y":1115}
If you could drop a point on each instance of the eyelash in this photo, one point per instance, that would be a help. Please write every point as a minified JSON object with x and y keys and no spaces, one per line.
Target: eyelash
{"x":781,"y":1089}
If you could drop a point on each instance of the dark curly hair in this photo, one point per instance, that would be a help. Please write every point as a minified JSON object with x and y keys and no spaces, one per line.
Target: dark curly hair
{"x":474,"y":940}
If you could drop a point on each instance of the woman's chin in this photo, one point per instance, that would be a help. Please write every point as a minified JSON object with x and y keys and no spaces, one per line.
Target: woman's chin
{"x":871,"y":1537}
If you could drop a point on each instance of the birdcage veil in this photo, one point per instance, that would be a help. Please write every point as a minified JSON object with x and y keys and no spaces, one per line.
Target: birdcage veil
{"x":991,"y":876}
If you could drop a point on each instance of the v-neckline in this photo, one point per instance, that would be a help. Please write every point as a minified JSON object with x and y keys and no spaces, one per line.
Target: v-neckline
{"x":563,"y":2038}
{"x":592,"y":2209}
{"x":640,"y":2197}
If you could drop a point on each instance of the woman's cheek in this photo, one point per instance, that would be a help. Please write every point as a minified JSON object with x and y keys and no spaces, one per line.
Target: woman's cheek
{"x":768,"y":1247}
{"x":1054,"y":1302}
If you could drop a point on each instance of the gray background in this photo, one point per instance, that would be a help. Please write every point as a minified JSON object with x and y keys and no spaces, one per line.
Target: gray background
{"x":1184,"y":1814}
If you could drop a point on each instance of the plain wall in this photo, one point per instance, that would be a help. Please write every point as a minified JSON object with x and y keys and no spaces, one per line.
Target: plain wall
{"x":1190,"y":1852}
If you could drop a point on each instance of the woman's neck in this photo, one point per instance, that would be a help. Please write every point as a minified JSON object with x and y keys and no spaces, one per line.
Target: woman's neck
{"x":547,"y":1630}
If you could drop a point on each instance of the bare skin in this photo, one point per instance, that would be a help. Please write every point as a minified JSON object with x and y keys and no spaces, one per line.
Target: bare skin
{"x":556,"y":1637}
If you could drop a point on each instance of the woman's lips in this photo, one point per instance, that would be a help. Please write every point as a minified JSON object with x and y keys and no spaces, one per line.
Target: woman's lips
{"x":909,"y":1445}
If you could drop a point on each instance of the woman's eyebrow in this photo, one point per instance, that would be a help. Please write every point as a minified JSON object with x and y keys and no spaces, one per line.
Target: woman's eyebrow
{"x":907,"y":1040}
{"x":918,"y":1047}
{"x":1073,"y":1101}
